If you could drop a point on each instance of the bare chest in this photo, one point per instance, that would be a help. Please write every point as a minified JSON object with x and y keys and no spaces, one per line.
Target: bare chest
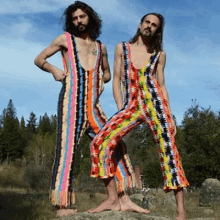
{"x":139,"y":56}
{"x":87,"y":54}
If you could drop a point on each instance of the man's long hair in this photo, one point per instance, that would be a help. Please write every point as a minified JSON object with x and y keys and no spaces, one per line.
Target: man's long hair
{"x":156,"y":43}
{"x":95,"y":23}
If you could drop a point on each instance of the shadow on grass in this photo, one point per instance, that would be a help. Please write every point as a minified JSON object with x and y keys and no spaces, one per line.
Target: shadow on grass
{"x":18,"y":205}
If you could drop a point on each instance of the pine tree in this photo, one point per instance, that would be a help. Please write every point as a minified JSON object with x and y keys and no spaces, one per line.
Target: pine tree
{"x":24,"y":134}
{"x":53,"y":122}
{"x":22,"y":125}
{"x":45,"y":125}
{"x":32,"y":123}
{"x":11,"y":136}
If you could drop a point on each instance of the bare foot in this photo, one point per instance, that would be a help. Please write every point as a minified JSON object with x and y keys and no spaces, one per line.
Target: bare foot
{"x":128,"y":205}
{"x":65,"y":212}
{"x":109,"y":204}
{"x":180,"y":215}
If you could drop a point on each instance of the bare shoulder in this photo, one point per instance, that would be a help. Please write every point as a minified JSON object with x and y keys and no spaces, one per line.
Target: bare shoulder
{"x":162,"y":58}
{"x":104,"y":50}
{"x":59,"y":41}
{"x":118,"y":49}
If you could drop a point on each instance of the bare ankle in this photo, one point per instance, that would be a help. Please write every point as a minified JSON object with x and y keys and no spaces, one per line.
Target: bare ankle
{"x":125,"y":198}
{"x":112,"y":199}
{"x":180,"y":210}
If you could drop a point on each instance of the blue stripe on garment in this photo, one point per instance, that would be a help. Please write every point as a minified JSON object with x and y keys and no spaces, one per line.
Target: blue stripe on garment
{"x":67,"y":130}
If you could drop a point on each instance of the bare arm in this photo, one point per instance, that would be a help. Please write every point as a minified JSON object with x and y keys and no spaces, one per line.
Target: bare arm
{"x":117,"y":77}
{"x":105,"y":65}
{"x":161,"y":79}
{"x":57,"y":45}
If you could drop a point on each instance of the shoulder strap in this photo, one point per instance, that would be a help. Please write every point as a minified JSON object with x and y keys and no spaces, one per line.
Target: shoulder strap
{"x":99,"y":47}
{"x":153,"y":61}
{"x":99,"y":57}
{"x":125,"y":52}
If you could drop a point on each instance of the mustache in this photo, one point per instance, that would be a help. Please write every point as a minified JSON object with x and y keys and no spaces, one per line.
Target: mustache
{"x":148,"y":29}
{"x":80,"y":24}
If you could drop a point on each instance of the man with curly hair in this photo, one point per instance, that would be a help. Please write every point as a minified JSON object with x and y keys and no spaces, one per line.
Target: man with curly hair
{"x":86,"y":69}
{"x":139,"y":66}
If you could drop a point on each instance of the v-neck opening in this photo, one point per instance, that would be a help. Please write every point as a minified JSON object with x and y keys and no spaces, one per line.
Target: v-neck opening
{"x":130,"y":59}
{"x":97,"y":48}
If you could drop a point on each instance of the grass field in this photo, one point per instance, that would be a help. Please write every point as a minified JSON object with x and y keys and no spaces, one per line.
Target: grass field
{"x":22,"y":204}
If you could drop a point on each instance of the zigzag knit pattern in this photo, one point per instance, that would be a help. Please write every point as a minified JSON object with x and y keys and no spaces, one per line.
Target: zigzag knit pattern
{"x":143,"y":102}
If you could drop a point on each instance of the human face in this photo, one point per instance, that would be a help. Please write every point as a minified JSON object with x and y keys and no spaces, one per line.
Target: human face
{"x":149,"y":26}
{"x":80,"y":20}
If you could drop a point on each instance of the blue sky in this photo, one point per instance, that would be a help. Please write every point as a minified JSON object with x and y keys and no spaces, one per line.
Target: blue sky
{"x":191,"y":42}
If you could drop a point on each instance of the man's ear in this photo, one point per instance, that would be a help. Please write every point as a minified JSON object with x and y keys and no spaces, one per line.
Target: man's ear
{"x":139,"y":26}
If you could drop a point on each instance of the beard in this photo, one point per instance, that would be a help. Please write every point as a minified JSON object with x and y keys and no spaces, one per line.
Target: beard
{"x":146,"y":32}
{"x":82,"y":28}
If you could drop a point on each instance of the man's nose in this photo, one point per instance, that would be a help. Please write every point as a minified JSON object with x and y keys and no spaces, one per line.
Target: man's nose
{"x":149,"y":25}
{"x":79,"y":20}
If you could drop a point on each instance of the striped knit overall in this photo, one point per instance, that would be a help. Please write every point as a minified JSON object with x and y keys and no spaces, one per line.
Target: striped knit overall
{"x":79,"y":111}
{"x":144,"y":102}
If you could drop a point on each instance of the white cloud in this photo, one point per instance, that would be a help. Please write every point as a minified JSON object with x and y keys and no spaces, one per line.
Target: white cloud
{"x":112,"y":9}
{"x":18,"y":60}
{"x":25,"y":6}
{"x":187,"y":64}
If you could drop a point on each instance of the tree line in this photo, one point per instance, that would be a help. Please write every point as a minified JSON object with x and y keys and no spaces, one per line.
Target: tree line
{"x":34,"y":142}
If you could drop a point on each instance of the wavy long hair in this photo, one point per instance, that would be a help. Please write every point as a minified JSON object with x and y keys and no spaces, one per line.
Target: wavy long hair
{"x":95,"y":22}
{"x":156,"y":43}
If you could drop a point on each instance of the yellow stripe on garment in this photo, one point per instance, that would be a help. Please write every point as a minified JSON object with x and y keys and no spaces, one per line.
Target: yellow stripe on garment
{"x":119,"y":129}
{"x":157,"y":123}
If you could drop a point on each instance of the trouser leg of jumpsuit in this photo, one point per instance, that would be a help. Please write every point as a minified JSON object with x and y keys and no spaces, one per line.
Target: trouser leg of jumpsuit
{"x":146,"y":103}
{"x":90,"y":118}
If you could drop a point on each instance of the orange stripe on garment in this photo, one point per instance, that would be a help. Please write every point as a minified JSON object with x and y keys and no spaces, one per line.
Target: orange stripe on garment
{"x":90,"y":103}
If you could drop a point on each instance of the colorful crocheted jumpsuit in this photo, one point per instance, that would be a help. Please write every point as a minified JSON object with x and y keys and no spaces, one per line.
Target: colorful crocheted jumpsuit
{"x":143,"y":102}
{"x":79,"y":111}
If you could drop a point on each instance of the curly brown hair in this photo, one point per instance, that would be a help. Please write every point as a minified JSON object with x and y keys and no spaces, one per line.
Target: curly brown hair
{"x":95,"y":23}
{"x":156,"y":43}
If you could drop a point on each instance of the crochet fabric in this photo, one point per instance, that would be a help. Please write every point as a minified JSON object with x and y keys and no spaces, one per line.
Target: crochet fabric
{"x":144,"y":102}
{"x":79,"y":111}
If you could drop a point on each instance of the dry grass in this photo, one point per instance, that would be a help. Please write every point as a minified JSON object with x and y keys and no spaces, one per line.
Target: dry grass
{"x":86,"y":201}
{"x":23,"y":204}
{"x":13,"y":176}
{"x":165,"y":208}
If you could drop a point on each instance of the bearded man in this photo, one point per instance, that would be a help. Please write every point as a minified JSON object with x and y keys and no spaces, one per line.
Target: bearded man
{"x":139,"y":66}
{"x":86,"y":68}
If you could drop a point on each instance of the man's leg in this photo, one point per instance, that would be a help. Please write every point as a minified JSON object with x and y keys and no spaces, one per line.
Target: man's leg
{"x":112,"y":202}
{"x":102,"y":150}
{"x":124,"y":175}
{"x":158,"y":118}
{"x":62,"y":195}
{"x":180,"y":204}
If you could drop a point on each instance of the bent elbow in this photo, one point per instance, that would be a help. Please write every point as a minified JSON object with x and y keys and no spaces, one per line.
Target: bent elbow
{"x":36,"y":61}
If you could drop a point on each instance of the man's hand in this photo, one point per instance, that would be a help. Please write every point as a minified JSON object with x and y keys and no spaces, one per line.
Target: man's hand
{"x":58,"y":74}
{"x":102,"y":86}
{"x":58,"y":44}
